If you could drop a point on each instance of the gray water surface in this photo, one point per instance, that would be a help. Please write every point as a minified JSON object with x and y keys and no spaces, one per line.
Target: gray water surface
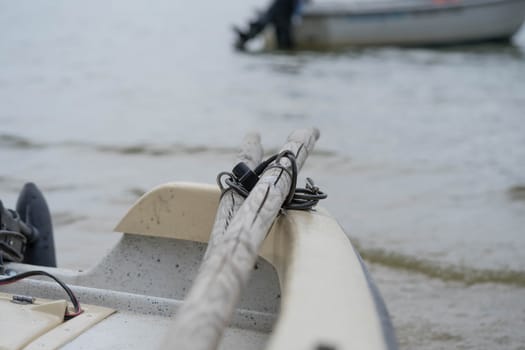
{"x":422,"y":151}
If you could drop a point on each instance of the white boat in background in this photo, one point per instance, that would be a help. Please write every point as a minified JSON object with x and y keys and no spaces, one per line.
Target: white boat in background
{"x":407,"y":22}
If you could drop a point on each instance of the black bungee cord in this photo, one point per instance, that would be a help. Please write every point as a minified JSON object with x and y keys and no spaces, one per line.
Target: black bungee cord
{"x":242,"y":179}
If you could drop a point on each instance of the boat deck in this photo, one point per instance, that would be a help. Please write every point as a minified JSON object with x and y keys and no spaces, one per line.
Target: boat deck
{"x":125,"y":330}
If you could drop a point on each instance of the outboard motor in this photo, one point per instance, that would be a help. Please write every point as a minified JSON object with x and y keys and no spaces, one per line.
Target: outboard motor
{"x":279,"y":14}
{"x":26,"y":235}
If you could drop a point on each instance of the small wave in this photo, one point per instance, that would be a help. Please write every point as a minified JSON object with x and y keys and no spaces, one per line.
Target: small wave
{"x":59,"y":188}
{"x":136,"y":191}
{"x":18,"y":142}
{"x":66,"y":218}
{"x":517,"y":193}
{"x":449,"y":272}
{"x":153,"y":150}
{"x":134,"y":150}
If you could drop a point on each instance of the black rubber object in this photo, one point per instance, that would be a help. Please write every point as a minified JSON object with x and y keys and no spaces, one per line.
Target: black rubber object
{"x":33,"y":210}
{"x":245,"y":176}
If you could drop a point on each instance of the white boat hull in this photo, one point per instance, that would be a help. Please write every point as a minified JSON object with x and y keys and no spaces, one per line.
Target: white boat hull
{"x":408,"y":23}
{"x":309,"y":289}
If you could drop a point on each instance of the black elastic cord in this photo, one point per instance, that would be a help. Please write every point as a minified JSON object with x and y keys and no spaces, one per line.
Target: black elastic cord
{"x":262,"y":167}
{"x":76,"y":305}
{"x":297,"y":198}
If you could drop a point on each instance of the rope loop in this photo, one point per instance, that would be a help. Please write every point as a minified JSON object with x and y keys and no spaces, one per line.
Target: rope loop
{"x":297,"y":198}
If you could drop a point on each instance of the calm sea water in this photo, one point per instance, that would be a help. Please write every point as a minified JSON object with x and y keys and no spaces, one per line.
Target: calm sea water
{"x":422,"y":151}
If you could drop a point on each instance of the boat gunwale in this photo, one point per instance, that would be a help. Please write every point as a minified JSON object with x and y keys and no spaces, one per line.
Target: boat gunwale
{"x":389,"y":9}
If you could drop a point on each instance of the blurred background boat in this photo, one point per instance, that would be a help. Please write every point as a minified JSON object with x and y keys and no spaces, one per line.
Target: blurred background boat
{"x":406,"y":22}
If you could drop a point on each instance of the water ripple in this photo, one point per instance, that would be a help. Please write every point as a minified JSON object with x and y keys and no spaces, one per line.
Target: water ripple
{"x":18,"y":142}
{"x":444,"y":272}
{"x":139,"y":149}
{"x":517,"y":193}
{"x":67,"y":218}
